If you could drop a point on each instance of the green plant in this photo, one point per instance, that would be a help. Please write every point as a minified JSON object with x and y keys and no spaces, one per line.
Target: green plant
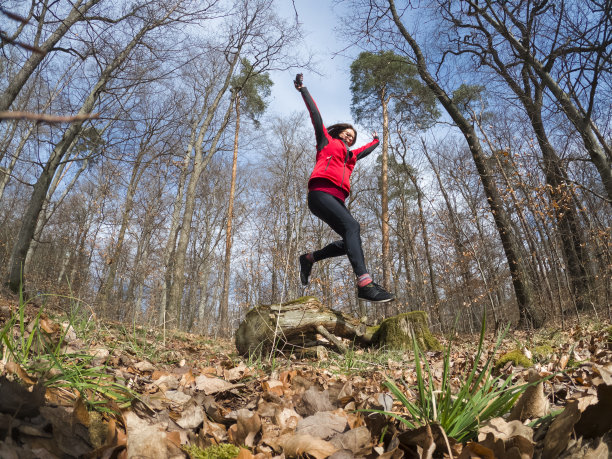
{"x":19,"y":347}
{"x":43,"y":354}
{"x":93,"y":383}
{"x":479,"y":398}
{"x":139,"y":343}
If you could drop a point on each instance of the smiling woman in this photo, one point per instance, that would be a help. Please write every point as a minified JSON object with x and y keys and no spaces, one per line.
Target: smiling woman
{"x":343,"y":131}
{"x":328,"y":187}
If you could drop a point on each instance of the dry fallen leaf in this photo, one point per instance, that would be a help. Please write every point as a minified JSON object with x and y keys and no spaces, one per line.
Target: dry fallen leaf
{"x":596,"y":419}
{"x":323,"y":424}
{"x":244,"y":454}
{"x":286,"y":418}
{"x":560,"y":430}
{"x":507,"y":440}
{"x":234,"y":374}
{"x":148,"y":440}
{"x":187,"y":380}
{"x":299,"y":445}
{"x":80,"y":413}
{"x":474,"y":450}
{"x":16,"y":369}
{"x":192,"y":416}
{"x":17,"y":401}
{"x":315,"y":401}
{"x":144,"y":366}
{"x":274,"y":387}
{"x":212,"y":385}
{"x":246,"y":428}
{"x":354,"y":440}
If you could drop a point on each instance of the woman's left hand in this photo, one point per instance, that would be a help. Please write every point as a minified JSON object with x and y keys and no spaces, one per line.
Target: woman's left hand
{"x":374,"y":134}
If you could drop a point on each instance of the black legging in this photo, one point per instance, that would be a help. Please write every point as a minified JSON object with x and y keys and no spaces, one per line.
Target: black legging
{"x":333,"y":212}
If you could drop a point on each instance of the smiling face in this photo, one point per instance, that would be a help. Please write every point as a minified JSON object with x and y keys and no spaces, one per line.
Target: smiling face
{"x":348,"y":135}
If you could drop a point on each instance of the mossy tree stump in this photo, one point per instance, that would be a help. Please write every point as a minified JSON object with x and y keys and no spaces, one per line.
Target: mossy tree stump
{"x":397,"y":332}
{"x":305,"y":324}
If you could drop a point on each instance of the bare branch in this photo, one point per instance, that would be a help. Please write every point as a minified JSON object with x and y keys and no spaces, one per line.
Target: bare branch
{"x":41,"y":117}
{"x":35,"y":49}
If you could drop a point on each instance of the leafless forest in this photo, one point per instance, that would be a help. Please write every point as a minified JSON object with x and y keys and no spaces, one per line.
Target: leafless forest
{"x":133,"y":142}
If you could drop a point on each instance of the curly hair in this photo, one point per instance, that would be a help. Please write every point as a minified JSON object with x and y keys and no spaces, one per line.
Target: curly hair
{"x":335,"y":129}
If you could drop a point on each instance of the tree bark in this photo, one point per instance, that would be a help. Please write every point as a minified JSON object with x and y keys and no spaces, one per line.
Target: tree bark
{"x":569,"y":229}
{"x":200,"y":162}
{"x":423,"y":223}
{"x":224,"y":305}
{"x":113,"y":259}
{"x":384,"y":195}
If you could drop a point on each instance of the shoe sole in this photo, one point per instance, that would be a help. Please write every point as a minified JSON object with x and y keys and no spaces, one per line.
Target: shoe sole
{"x":376,"y":301}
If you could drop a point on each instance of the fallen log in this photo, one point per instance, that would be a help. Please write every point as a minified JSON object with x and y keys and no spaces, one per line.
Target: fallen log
{"x":304,"y":325}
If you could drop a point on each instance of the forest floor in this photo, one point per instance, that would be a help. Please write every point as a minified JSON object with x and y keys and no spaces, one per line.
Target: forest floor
{"x":73,"y":386}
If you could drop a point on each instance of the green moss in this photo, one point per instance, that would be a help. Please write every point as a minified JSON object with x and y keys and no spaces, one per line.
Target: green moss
{"x":395,"y":332}
{"x":516,"y":357}
{"x":543,"y":351}
{"x":222,"y":451}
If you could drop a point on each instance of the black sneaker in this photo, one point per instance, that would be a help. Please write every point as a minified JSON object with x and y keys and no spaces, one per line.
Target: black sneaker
{"x":374,"y":293}
{"x":305,"y":268}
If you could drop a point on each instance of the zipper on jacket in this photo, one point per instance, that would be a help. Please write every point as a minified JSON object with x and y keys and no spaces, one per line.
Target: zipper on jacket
{"x":328,"y":161}
{"x":344,"y":167}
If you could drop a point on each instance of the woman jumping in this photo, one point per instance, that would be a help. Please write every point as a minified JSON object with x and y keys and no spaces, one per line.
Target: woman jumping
{"x":328,"y":187}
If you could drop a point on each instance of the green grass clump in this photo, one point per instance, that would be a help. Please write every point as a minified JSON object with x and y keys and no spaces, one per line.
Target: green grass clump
{"x":43,"y":356}
{"x":222,"y":451}
{"x":480,"y":397}
{"x":516,"y":357}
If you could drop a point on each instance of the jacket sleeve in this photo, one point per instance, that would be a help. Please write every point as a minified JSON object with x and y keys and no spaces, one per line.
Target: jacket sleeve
{"x":315,"y":117}
{"x":368,"y":148}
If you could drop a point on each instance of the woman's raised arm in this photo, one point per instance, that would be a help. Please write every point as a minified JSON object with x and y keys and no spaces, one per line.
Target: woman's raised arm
{"x":315,"y":116}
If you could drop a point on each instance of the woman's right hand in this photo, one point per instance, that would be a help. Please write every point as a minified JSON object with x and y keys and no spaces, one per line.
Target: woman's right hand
{"x":299,"y":81}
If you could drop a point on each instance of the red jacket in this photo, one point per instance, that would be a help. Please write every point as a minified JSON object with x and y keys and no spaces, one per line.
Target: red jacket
{"x":334,"y":161}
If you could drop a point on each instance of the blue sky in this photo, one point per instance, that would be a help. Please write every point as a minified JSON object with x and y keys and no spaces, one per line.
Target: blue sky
{"x":330,"y":89}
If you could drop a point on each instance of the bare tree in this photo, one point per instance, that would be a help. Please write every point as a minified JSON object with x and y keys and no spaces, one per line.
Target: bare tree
{"x":40,"y":11}
{"x":546,"y":38}
{"x":160,"y":17}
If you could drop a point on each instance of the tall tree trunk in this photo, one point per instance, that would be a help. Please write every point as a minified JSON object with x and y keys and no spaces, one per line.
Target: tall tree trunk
{"x":571,"y":232}
{"x":113,"y":259}
{"x":175,"y":222}
{"x":528,"y":312}
{"x":458,"y":244}
{"x":423,"y":223}
{"x":567,"y":221}
{"x":224,"y":305}
{"x":47,"y":212}
{"x":175,"y":293}
{"x":384,"y":195}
